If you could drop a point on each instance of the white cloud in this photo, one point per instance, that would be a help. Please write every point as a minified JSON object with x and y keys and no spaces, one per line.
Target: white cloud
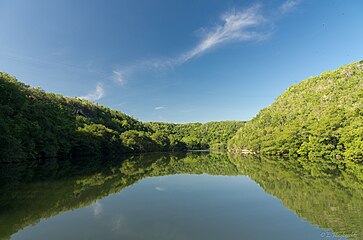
{"x":159,"y":108}
{"x":289,"y":5}
{"x":119,"y":77}
{"x":96,"y":94}
{"x":235,"y":26}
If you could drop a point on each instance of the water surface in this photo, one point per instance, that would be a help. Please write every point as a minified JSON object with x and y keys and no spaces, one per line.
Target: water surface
{"x":194,"y":196}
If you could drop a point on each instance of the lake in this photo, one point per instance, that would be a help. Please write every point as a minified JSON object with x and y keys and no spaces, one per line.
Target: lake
{"x":179,"y":196}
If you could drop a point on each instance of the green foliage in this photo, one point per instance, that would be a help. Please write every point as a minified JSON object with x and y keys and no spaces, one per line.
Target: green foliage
{"x":162,"y":139}
{"x":211,"y":135}
{"x":319,"y":117}
{"x":31,"y":192}
{"x":176,"y":145}
{"x":139,"y":141}
{"x":328,"y":199}
{"x":36,"y":124}
{"x":97,"y":139}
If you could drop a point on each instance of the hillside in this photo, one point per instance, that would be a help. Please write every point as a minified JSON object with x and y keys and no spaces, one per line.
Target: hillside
{"x":34,"y":124}
{"x":320,"y":117}
{"x":213,"y":135}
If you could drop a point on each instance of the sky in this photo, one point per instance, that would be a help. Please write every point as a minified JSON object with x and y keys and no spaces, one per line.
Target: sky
{"x":177,"y":61}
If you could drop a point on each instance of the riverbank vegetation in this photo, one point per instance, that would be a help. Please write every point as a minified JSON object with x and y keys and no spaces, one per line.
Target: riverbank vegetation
{"x":36,"y":124}
{"x":320,"y":117}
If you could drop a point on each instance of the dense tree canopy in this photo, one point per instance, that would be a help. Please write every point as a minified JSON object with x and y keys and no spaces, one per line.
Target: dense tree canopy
{"x":35,"y":124}
{"x":211,"y":135}
{"x":319,"y":117}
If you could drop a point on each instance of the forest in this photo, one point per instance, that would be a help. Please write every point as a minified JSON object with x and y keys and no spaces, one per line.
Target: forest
{"x":320,"y":117}
{"x":36,"y":124}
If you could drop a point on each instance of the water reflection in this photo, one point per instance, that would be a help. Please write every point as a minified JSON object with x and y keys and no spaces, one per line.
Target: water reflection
{"x":176,"y":205}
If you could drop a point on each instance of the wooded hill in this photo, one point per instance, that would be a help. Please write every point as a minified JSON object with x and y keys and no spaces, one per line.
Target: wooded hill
{"x":320,"y":117}
{"x":211,"y":135}
{"x":34,"y":124}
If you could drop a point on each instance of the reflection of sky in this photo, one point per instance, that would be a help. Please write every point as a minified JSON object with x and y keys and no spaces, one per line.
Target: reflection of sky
{"x":193,"y":207}
{"x":120,"y":224}
{"x":160,"y":189}
{"x":97,"y":208}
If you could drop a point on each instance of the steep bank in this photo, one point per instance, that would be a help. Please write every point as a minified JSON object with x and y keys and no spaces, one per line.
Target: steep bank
{"x":320,"y":117}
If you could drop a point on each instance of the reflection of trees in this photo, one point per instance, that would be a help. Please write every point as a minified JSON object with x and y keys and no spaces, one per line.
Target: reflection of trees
{"x":30,"y":193}
{"x":328,"y":199}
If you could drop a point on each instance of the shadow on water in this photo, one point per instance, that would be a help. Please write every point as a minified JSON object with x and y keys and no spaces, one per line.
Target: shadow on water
{"x":328,"y":197}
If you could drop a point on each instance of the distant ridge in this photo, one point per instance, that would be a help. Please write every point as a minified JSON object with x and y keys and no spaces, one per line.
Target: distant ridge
{"x":36,"y":124}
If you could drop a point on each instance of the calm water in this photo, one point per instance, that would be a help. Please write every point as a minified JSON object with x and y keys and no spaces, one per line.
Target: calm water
{"x":193,"y":196}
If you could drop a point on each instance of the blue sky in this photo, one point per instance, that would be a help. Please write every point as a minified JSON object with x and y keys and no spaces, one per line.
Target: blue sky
{"x":177,"y":61}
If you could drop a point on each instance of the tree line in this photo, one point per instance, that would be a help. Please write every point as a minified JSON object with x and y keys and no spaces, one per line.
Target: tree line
{"x":37,"y":124}
{"x":321,"y":117}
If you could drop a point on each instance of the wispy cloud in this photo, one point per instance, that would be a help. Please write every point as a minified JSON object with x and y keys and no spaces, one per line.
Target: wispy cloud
{"x":119,"y":77}
{"x":96,"y":94}
{"x":235,"y":26}
{"x":289,"y":5}
{"x":97,"y":209}
{"x":160,"y":189}
{"x":159,"y":108}
{"x":120,"y":224}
